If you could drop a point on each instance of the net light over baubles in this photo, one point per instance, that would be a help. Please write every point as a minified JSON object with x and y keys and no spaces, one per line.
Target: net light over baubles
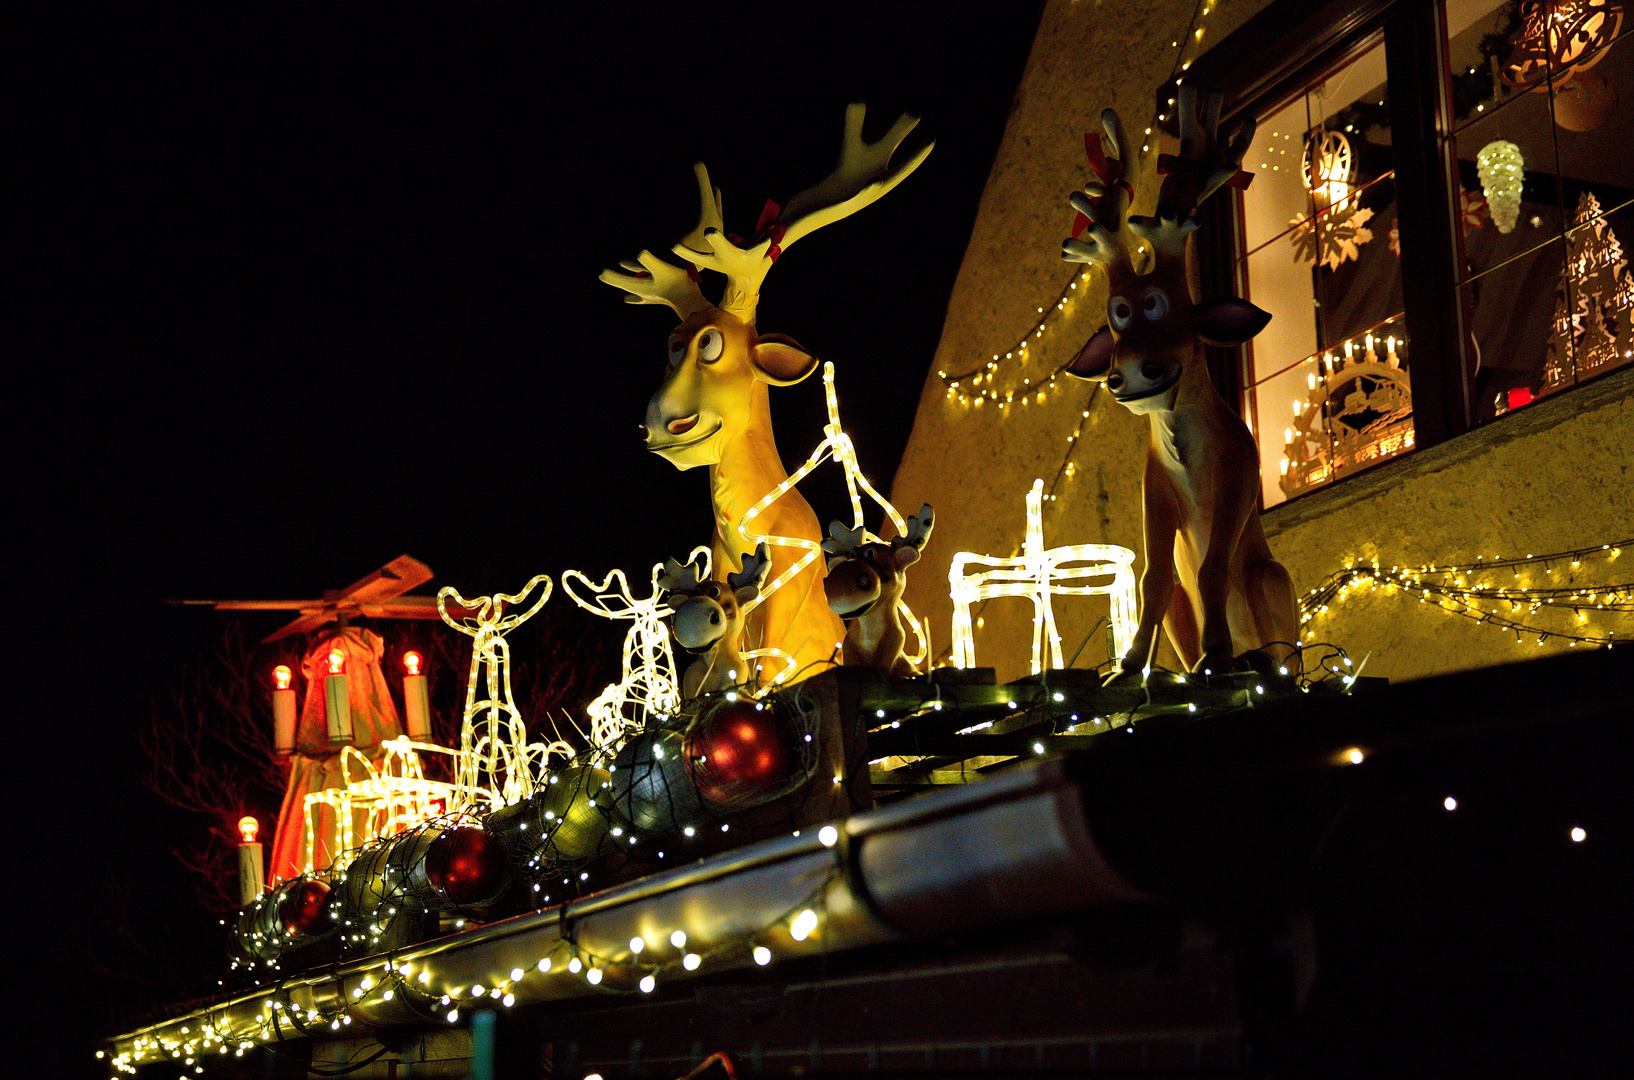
{"x":739,"y":754}
{"x":1503,"y":171}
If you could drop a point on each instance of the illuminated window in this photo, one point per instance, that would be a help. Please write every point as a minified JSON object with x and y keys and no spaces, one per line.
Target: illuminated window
{"x":1327,"y":390}
{"x":1439,"y":221}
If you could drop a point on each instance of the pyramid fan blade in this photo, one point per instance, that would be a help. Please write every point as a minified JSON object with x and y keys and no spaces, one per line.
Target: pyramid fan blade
{"x":300,"y":626}
{"x":394,"y":579}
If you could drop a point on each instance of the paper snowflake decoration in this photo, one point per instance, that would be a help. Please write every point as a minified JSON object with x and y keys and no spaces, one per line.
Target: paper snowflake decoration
{"x":1327,"y":240}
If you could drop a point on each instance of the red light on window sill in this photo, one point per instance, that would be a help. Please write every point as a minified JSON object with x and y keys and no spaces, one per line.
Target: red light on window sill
{"x":1520,"y":395}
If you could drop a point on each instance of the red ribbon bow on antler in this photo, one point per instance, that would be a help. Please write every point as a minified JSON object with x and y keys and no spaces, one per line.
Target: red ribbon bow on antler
{"x":767,"y":228}
{"x":1109,"y":171}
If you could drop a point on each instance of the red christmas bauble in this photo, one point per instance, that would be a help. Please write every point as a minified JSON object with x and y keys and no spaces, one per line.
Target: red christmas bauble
{"x":738,"y":751}
{"x":466,"y":865}
{"x":304,"y":909}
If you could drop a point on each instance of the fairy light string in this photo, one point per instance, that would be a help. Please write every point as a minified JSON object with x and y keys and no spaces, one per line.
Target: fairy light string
{"x":649,"y":960}
{"x":1465,"y":590}
{"x":977,"y":388}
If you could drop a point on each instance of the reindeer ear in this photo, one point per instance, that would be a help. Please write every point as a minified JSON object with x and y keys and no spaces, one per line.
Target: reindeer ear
{"x":1228,"y":320}
{"x":905,"y":556}
{"x":780,"y":360}
{"x":747,"y":593}
{"x":1095,"y":358}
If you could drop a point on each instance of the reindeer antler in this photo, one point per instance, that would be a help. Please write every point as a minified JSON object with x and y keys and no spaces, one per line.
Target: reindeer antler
{"x":919,"y":527}
{"x":862,"y":176}
{"x":1202,"y":168}
{"x":1104,"y":202}
{"x":756,"y":569}
{"x":651,"y":280}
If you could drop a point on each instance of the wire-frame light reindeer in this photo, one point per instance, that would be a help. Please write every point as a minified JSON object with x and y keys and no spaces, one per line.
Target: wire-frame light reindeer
{"x":648,"y":687}
{"x":496,"y":763}
{"x":835,"y":444}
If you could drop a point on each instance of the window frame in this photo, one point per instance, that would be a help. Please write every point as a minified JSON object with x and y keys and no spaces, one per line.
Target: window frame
{"x":1264,"y":64}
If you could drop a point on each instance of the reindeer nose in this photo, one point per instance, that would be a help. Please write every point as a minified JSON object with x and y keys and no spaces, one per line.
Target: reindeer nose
{"x":643,"y":429}
{"x":1114,"y":381}
{"x":1152,"y":369}
{"x":714,"y":618}
{"x":865,"y":579}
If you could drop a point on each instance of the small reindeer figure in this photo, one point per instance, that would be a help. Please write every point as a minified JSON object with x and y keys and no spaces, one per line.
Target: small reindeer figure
{"x":709,"y":621}
{"x":865,"y":581}
{"x":712,"y":408}
{"x":1201,"y":483}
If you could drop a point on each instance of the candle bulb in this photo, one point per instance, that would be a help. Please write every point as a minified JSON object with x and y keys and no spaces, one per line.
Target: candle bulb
{"x":250,"y":878}
{"x":416,"y":698}
{"x":337,"y":704}
{"x":283,"y":711}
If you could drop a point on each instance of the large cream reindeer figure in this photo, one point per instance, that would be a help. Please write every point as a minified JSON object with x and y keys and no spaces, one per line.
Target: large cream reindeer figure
{"x":713,"y":408}
{"x":1210,"y":580}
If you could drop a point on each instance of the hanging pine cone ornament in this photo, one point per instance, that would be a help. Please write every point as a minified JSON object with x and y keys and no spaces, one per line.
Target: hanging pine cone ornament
{"x":1502,"y":172}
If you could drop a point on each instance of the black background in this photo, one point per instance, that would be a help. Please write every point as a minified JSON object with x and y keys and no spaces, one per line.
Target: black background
{"x":298,"y":288}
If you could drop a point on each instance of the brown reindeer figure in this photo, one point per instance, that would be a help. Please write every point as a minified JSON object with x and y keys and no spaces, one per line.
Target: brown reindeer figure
{"x":708,"y":620}
{"x":865,"y":581}
{"x":1210,"y":580}
{"x":712,"y":408}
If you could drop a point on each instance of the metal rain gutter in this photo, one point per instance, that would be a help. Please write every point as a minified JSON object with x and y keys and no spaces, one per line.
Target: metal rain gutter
{"x":1011,"y":847}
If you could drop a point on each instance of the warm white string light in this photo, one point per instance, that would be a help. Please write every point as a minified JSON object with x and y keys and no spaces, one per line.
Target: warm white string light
{"x":1449,"y":588}
{"x":633,"y":971}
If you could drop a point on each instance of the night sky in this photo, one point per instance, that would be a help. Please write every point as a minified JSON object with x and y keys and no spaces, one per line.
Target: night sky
{"x":298,"y":289}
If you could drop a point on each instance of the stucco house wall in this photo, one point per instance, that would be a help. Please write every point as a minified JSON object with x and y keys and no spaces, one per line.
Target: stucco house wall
{"x":1558,"y":480}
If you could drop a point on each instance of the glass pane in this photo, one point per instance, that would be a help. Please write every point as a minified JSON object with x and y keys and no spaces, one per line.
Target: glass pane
{"x":1594,"y":127}
{"x":1277,"y":198}
{"x":1512,"y":314}
{"x":1322,"y":259}
{"x":1341,"y":410}
{"x":1550,"y":298}
{"x":1514,"y":204}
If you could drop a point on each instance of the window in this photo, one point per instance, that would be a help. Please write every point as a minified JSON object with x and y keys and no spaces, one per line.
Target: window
{"x":1541,"y":135}
{"x":1439,"y":222}
{"x":1327,"y":391}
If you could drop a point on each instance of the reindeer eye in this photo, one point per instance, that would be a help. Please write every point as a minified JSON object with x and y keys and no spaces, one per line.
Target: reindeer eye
{"x":1118,"y":312}
{"x":713,"y":591}
{"x":677,"y":350}
{"x":709,"y":346}
{"x":1154,"y":305}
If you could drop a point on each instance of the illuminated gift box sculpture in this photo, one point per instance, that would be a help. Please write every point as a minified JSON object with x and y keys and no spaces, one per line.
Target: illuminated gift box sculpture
{"x":381,"y":797}
{"x":1037,"y":574}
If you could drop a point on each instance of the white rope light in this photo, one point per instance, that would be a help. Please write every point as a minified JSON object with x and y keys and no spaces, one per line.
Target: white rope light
{"x":835,"y":444}
{"x":649,"y":686}
{"x":496,"y":765}
{"x":1037,"y":574}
